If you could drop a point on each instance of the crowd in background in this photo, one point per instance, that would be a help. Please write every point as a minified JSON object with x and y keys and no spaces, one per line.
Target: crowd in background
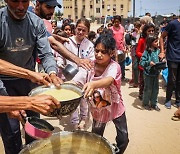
{"x":100,"y":57}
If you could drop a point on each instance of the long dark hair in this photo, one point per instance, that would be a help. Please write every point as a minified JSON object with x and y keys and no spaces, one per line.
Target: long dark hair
{"x":108,"y":41}
{"x":146,"y":27}
{"x":150,"y":39}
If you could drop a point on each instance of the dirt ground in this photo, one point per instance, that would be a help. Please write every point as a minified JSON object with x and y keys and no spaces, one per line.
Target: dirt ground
{"x":150,"y":132}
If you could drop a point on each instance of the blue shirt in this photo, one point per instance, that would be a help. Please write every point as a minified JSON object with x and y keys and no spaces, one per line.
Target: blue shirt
{"x":173,"y":42}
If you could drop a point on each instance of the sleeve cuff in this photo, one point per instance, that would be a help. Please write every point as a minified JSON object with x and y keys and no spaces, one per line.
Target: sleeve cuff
{"x":52,"y":72}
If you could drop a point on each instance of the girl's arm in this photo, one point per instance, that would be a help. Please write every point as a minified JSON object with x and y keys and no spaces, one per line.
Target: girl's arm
{"x":144,"y":62}
{"x":89,"y":87}
{"x":139,"y":48}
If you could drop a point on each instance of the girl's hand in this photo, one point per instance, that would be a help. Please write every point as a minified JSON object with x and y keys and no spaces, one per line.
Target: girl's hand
{"x":88,"y":89}
{"x":152,"y":63}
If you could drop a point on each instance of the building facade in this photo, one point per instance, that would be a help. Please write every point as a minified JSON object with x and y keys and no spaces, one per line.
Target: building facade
{"x":2,"y":3}
{"x":76,"y":9}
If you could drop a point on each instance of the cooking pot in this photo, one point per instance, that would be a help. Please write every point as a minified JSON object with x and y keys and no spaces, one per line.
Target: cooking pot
{"x":79,"y":142}
{"x":37,"y":128}
{"x":69,"y":71}
{"x":68,"y":106}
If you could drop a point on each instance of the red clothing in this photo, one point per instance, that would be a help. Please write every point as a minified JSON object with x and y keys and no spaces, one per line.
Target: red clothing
{"x":140,"y":49}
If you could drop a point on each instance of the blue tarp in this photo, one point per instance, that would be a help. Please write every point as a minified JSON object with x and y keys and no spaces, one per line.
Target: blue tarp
{"x":165,"y":75}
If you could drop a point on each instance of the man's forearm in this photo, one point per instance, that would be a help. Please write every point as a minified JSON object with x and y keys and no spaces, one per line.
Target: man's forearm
{"x":59,"y":47}
{"x":8,"y":103}
{"x":13,"y":70}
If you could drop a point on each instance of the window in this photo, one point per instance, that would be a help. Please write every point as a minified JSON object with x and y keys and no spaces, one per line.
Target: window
{"x":97,"y":1}
{"x":114,"y":7}
{"x":108,"y":7}
{"x":91,"y":6}
{"x":122,"y":6}
{"x":97,"y":10}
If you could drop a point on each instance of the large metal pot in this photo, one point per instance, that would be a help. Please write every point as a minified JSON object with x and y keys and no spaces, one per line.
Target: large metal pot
{"x":78,"y":142}
{"x":68,"y":106}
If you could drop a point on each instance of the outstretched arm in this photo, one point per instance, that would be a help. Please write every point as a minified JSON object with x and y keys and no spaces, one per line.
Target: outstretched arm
{"x":43,"y":104}
{"x":13,"y":70}
{"x":89,"y":87}
{"x":59,"y":47}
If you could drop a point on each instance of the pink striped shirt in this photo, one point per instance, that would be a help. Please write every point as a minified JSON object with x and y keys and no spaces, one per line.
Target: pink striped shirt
{"x":111,"y":94}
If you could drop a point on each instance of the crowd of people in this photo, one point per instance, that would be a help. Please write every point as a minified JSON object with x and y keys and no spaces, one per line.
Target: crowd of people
{"x":28,"y":38}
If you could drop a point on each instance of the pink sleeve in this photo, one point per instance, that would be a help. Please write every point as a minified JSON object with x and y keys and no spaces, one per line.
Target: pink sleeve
{"x":115,"y":71}
{"x":81,"y":76}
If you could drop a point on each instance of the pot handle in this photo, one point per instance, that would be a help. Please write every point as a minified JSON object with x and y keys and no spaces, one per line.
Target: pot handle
{"x":24,"y":119}
{"x":116,"y":149}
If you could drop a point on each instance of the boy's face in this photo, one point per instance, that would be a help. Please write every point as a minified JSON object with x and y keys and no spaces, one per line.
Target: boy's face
{"x":17,"y":8}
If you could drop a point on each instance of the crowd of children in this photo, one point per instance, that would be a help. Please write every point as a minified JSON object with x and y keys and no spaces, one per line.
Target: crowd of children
{"x":107,"y":49}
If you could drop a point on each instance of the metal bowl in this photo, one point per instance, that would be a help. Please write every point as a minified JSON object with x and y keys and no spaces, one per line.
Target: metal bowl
{"x":78,"y":142}
{"x":67,"y":107}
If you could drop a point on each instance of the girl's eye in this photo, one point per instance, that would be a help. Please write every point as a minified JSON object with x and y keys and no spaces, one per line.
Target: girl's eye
{"x":83,"y":30}
{"x":102,"y":51}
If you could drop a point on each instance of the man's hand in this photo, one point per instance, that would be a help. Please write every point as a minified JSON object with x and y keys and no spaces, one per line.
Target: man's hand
{"x":40,"y":78}
{"x":17,"y":115}
{"x":55,"y":79}
{"x":60,"y":38}
{"x":85,"y":63}
{"x":44,"y":104}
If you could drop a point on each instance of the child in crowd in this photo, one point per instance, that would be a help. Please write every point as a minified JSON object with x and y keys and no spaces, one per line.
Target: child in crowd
{"x":134,"y":81}
{"x":92,"y":36}
{"x":118,"y":33}
{"x":67,"y":28}
{"x":54,"y":25}
{"x":58,"y":57}
{"x":148,"y":29}
{"x":82,"y":47}
{"x":107,"y":104}
{"x":151,"y":80}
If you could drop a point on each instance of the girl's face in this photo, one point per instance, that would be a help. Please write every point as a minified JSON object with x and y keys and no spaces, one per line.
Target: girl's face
{"x":67,"y":29}
{"x":101,"y":54}
{"x":116,"y":23}
{"x":155,"y":43}
{"x":81,"y":31}
{"x":53,"y":25}
{"x":150,"y":31}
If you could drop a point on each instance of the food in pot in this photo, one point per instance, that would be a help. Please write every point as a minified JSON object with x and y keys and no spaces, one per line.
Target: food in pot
{"x":78,"y":142}
{"x":61,"y":94}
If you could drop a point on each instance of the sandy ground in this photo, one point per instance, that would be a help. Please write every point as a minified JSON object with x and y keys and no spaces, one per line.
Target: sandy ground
{"x":150,"y":132}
